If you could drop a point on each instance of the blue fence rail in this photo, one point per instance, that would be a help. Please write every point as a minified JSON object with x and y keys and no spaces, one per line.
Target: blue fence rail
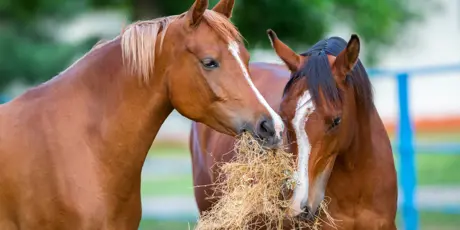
{"x":405,"y":137}
{"x":4,"y":99}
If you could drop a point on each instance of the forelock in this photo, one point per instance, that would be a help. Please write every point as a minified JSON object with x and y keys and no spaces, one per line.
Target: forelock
{"x":222,"y":26}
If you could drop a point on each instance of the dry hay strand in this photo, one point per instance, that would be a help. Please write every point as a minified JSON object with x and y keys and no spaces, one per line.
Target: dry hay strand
{"x":249,"y":191}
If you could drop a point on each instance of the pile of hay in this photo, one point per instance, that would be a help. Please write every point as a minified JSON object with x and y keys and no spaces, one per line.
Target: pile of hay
{"x":250,"y":188}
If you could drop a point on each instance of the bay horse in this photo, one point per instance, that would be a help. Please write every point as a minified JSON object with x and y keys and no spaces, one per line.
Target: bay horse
{"x":72,"y":148}
{"x":342,"y":149}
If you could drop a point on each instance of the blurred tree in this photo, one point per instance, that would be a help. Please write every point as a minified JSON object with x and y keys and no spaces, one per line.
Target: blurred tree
{"x":301,"y":23}
{"x":29,"y":51}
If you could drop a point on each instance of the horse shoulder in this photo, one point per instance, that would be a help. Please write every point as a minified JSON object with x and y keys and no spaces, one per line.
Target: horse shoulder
{"x":368,"y":219}
{"x":207,"y":147}
{"x":365,"y":219}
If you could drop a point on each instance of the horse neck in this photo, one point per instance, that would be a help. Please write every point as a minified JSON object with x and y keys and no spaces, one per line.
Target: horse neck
{"x":124,"y":114}
{"x":361,"y":125}
{"x":353,"y":180}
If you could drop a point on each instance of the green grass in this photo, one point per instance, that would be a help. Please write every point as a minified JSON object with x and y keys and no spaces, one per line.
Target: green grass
{"x":169,"y":151}
{"x":435,"y":221}
{"x":148,"y":224}
{"x":173,"y":185}
{"x":439,"y":221}
{"x":431,"y":137}
{"x":431,"y":170}
{"x":438,"y":169}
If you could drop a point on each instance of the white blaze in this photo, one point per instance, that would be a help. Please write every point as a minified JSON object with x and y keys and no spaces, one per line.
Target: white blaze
{"x":278,"y":123}
{"x":319,"y":187}
{"x":304,"y":108}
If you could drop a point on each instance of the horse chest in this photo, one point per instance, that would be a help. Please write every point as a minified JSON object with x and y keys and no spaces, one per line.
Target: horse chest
{"x":358,"y":203}
{"x":46,"y":200}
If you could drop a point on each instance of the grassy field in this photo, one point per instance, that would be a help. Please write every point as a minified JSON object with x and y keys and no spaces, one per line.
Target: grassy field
{"x":165,"y":225}
{"x":168,"y":186}
{"x":432,"y":169}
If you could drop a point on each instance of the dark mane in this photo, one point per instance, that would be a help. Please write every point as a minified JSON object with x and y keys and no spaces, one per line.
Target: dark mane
{"x":318,"y":75}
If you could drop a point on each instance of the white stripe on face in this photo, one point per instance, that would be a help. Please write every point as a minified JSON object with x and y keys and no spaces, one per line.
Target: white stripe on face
{"x":304,"y":108}
{"x":318,"y":191}
{"x":234,"y":49}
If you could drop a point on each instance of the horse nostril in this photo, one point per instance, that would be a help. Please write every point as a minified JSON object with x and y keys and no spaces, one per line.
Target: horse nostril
{"x":266,"y":133}
{"x":266,"y":129}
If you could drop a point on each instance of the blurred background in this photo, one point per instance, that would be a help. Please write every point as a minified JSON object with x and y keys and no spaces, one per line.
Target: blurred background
{"x":417,"y":39}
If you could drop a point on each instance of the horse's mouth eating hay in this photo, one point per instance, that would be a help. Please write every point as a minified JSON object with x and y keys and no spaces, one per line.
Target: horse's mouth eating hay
{"x":254,"y":191}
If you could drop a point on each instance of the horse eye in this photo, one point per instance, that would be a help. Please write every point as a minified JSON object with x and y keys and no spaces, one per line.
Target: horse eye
{"x":209,"y":63}
{"x":336,"y":121}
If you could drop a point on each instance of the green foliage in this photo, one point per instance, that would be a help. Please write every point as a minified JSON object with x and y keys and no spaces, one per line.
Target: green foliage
{"x":379,"y":22}
{"x":31,"y":59}
{"x":297,"y":22}
{"x":29,"y":52}
{"x":301,"y":23}
{"x":304,"y":22}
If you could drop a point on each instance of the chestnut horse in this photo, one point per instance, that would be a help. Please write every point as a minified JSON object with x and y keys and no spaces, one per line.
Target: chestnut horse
{"x":341,"y":146}
{"x":72,"y":149}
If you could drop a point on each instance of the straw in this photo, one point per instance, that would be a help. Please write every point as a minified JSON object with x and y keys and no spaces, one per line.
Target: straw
{"x":253,"y":191}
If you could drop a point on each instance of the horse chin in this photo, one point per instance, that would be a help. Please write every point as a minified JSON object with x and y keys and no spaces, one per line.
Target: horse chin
{"x":308,"y":215}
{"x":311,"y":206}
{"x":270,"y":144}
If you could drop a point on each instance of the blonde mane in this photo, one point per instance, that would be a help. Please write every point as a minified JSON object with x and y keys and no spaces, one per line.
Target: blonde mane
{"x":139,"y":39}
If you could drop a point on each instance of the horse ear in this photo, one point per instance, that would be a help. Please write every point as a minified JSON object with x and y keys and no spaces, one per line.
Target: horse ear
{"x":348,"y":58}
{"x":289,"y":57}
{"x":225,"y":7}
{"x":195,"y":13}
